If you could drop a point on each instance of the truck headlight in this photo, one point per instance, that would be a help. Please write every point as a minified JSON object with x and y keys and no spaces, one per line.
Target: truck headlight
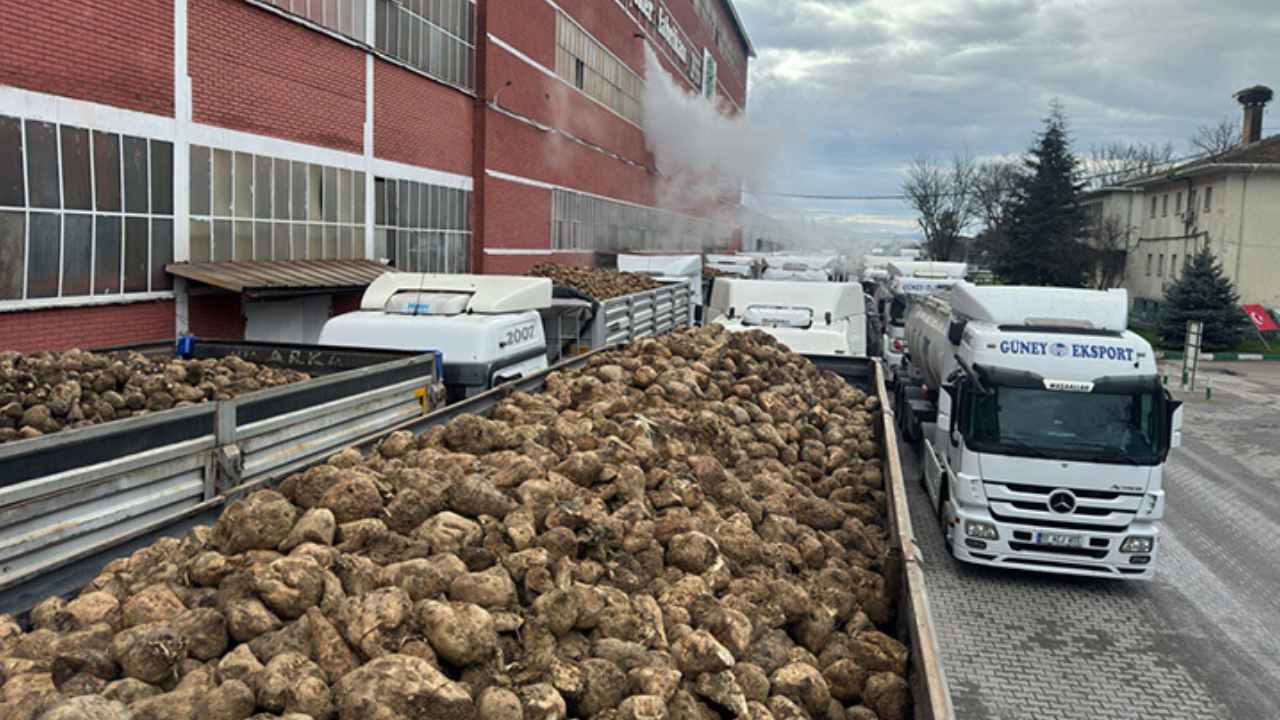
{"x":1137,"y":544}
{"x":982,"y":530}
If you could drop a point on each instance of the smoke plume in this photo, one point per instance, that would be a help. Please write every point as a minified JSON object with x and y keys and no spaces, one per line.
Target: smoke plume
{"x":708,"y":156}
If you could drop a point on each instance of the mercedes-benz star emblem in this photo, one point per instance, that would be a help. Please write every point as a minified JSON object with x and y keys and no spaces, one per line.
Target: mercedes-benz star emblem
{"x":1062,"y":502}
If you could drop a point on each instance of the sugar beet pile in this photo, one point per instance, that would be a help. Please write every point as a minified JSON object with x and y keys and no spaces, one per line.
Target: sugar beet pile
{"x":48,"y":392}
{"x":599,"y":284}
{"x":690,"y":528}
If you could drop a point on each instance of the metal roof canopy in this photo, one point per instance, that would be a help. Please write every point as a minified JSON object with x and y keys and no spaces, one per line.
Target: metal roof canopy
{"x":282,"y":278}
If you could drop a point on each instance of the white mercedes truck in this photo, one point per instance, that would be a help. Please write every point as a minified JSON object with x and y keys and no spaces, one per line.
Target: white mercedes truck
{"x":1043,"y":428}
{"x":812,"y":318}
{"x":907,"y":280}
{"x":487,"y":327}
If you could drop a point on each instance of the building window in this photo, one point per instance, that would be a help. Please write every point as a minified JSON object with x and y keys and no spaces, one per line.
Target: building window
{"x":1178,"y":204}
{"x":343,"y":16}
{"x":1160,"y":266}
{"x":588,"y":66}
{"x":1173,"y":265}
{"x":708,"y":76}
{"x":1208,"y":198}
{"x":255,"y":207}
{"x":420,"y":227}
{"x":436,"y":37}
{"x":1154,"y":202}
{"x":584,"y":222}
{"x":1164,"y":206}
{"x":82,"y":212}
{"x":1150,"y":257}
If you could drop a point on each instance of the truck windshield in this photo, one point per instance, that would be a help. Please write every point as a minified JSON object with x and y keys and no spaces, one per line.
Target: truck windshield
{"x":898,"y":311}
{"x":1091,"y":427}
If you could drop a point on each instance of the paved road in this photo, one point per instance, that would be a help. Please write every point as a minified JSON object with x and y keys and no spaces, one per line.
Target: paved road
{"x":1202,"y":640}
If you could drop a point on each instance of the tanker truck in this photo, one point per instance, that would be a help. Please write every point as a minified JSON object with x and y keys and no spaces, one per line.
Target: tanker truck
{"x":1042,"y":426}
{"x":894,"y":294}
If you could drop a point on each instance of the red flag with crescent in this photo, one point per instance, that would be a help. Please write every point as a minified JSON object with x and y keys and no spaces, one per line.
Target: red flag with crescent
{"x":1261,"y":318}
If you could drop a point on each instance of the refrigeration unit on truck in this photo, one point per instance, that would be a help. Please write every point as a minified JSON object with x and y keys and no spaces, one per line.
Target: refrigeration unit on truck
{"x":487,"y":327}
{"x":823,"y":319}
{"x":741,"y":265}
{"x":907,"y":281}
{"x":1043,"y":427}
{"x":810,"y":268}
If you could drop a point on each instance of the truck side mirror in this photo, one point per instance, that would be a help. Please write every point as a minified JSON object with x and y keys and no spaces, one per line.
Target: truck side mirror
{"x":955,"y":331}
{"x":828,"y":317}
{"x":953,"y":395}
{"x":1175,"y":424}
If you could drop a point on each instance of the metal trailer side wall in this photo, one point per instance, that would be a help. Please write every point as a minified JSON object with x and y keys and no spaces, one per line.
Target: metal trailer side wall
{"x":643,"y":314}
{"x":83,"y":493}
{"x":928,"y":680}
{"x":71,"y":495}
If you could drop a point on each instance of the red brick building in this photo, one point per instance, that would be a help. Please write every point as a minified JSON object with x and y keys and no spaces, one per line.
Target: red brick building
{"x":437,"y":135}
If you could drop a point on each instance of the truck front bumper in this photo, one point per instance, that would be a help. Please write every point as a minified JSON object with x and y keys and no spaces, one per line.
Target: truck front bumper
{"x":1021,"y":546}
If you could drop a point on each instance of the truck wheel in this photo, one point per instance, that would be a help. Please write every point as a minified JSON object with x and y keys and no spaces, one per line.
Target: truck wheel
{"x":948,"y":528}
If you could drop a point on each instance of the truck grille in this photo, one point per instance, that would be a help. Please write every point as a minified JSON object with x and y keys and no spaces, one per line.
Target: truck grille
{"x":1052,"y":550}
{"x":1095,"y":510}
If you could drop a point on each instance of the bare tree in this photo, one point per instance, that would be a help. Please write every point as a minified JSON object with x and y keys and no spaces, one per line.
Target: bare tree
{"x":1109,"y":241}
{"x":943,"y":195}
{"x":994,"y":188}
{"x":1218,"y":138}
{"x":1119,"y":162}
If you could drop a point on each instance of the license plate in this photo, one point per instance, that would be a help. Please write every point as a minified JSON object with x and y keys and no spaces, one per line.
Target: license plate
{"x":1059,"y":540}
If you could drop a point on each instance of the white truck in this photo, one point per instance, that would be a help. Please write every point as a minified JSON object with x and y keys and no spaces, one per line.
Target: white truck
{"x":822,"y":319}
{"x":907,"y":281}
{"x":1043,"y":428}
{"x":487,"y":327}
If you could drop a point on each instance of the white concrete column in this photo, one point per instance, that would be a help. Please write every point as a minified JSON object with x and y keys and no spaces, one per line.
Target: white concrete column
{"x":181,"y":165}
{"x":369,"y":207}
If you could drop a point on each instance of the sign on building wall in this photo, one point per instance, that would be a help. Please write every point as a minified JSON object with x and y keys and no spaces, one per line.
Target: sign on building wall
{"x":646,"y":8}
{"x":670,"y":32}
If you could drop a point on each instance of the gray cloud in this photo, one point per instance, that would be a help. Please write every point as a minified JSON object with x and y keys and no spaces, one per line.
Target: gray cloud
{"x":867,"y":84}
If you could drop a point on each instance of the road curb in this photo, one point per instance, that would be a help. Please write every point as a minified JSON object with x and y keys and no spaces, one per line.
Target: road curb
{"x":1221,"y":356}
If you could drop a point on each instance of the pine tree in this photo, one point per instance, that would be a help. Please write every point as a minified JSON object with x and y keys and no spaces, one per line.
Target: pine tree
{"x":1046,"y":222}
{"x":1204,"y":292}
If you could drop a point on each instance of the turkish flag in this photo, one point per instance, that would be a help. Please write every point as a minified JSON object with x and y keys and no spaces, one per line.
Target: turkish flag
{"x":1261,"y":318}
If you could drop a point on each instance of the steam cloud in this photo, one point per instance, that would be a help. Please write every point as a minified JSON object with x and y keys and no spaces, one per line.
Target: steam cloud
{"x":707,"y":156}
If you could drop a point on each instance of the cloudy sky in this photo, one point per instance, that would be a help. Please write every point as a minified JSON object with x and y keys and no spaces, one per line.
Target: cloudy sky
{"x":855,"y":88}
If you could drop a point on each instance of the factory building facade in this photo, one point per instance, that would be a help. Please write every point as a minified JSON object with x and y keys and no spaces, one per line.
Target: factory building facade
{"x":231,"y":168}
